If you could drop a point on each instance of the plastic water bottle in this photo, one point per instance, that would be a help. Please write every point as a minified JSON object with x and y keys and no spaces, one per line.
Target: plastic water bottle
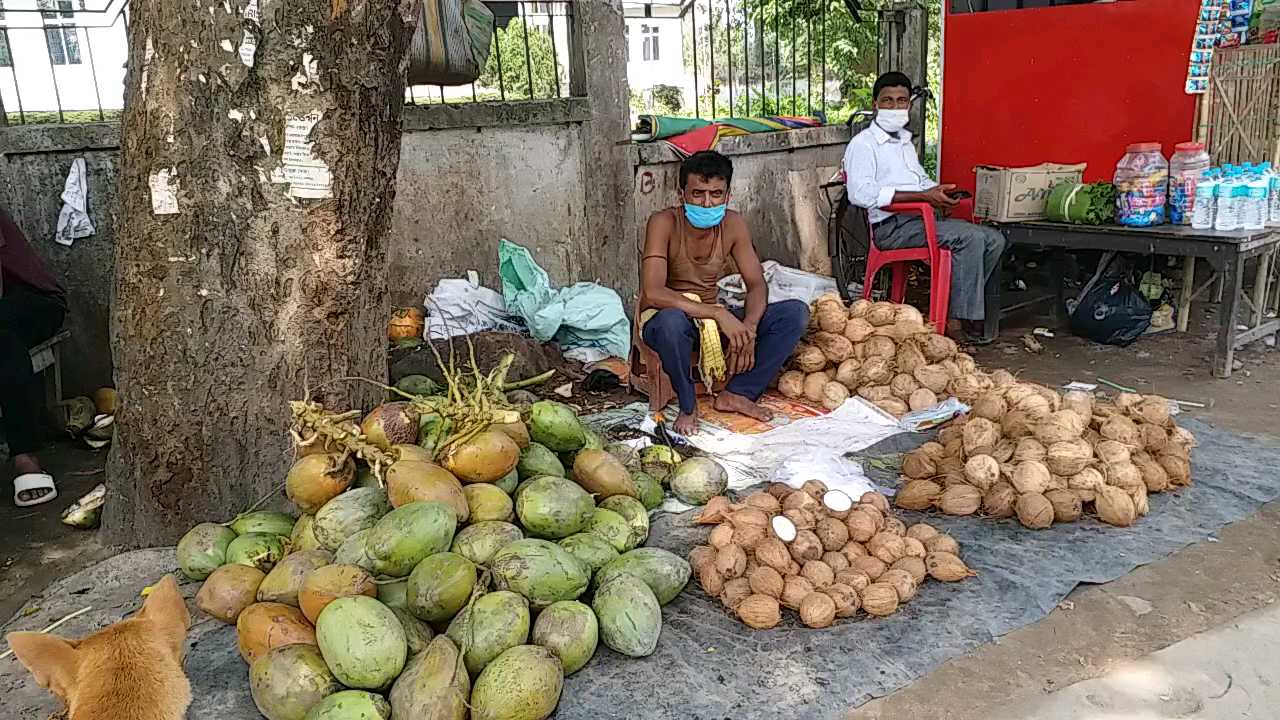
{"x":1227,"y":217}
{"x":1204,"y":208}
{"x":1257,"y":194}
{"x":1273,"y":200}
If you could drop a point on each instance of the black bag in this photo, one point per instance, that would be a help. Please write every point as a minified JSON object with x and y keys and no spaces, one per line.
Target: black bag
{"x":1109,"y":309}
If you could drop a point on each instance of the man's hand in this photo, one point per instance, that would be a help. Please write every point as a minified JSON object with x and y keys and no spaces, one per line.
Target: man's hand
{"x":742,"y":341}
{"x":937,"y":196}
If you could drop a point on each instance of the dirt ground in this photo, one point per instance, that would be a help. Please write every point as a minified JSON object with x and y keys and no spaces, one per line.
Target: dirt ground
{"x":1201,"y":587}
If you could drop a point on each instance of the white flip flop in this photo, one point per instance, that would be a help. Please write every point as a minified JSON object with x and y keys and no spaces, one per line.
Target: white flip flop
{"x":34,"y":481}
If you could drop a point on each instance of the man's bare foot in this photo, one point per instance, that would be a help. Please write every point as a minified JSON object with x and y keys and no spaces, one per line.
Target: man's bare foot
{"x":687,"y":424}
{"x":729,"y":402}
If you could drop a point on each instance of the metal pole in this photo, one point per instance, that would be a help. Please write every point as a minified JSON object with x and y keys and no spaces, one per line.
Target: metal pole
{"x":746,"y":57}
{"x":693,"y":19}
{"x":497,"y":48}
{"x":53,"y":73}
{"x":88,"y":45}
{"x":764,"y":91}
{"x":824,"y":57}
{"x":555,"y":52}
{"x":528,"y":56}
{"x":711,"y":42}
{"x":793,"y":64}
{"x":777,"y":63}
{"x":808,"y":65}
{"x":728,"y":34}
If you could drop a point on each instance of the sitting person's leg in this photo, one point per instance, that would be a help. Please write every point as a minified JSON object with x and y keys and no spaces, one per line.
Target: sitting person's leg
{"x":781,"y":328}
{"x":671,"y":334}
{"x":26,"y":320}
{"x":975,"y":255}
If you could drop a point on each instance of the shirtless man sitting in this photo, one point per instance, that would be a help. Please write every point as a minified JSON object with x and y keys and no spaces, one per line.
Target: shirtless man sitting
{"x":687,"y":250}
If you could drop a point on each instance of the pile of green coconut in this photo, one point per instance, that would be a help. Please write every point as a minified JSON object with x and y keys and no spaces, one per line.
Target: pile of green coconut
{"x":430,"y":579}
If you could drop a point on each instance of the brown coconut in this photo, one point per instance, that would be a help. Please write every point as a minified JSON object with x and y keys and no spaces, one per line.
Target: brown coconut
{"x":882,"y":313}
{"x":715,"y":511}
{"x":909,"y":358}
{"x":815,"y":489}
{"x":1089,"y":479}
{"x":735,"y":591}
{"x":854,"y":550}
{"x":806,"y":547}
{"x":1121,"y":429}
{"x":1029,"y":448}
{"x":721,"y":536}
{"x":701,"y":556}
{"x":968,"y":388}
{"x":902,"y":385}
{"x":815,"y":385}
{"x":831,"y":316}
{"x":1067,"y":506}
{"x":942,"y":542}
{"x":915,"y":548}
{"x":1114,"y":506}
{"x":1111,"y":452}
{"x":1069,"y":458}
{"x":845,"y":598}
{"x":817,"y":610}
{"x":862,"y":526}
{"x":887,"y":547}
{"x":881,"y":348}
{"x":853,"y":577}
{"x":710,"y":580}
{"x":836,"y":348}
{"x":876,"y":371}
{"x":1030,"y":477}
{"x":1153,"y":474}
{"x":922,"y":399}
{"x":795,"y":588}
{"x":808,"y":359}
{"x":960,"y":500}
{"x":800,"y":500}
{"x":764,"y":502}
{"x":939,"y":347}
{"x":875,"y":500}
{"x":903,"y":582}
{"x":1183,"y":438}
{"x":933,"y":377}
{"x":1153,"y":409}
{"x":1034,"y":511}
{"x":859,"y":308}
{"x":991,"y":406}
{"x":818,"y":573}
{"x":847,"y":374}
{"x":773,"y":553}
{"x":229,"y":590}
{"x":760,"y":612}
{"x":1079,"y":402}
{"x":895,"y":526}
{"x":1060,"y":426}
{"x":836,"y":560}
{"x":1016,"y":425}
{"x":748,"y":536}
{"x":918,"y":495}
{"x":980,"y":437}
{"x":918,"y":465}
{"x":1004,"y":450}
{"x":833,"y":395}
{"x":913,"y":566}
{"x":999,"y":501}
{"x":947,"y":567}
{"x":981,"y":471}
{"x":731,"y":561}
{"x":832,"y":533}
{"x":765,"y":580}
{"x":894,"y":407}
{"x":921,"y":531}
{"x":875,"y":393}
{"x":1177,"y":468}
{"x":857,"y":330}
{"x":879,"y":599}
{"x":1124,"y":475}
{"x":1154,"y":437}
{"x":874,"y":567}
{"x":791,"y":384}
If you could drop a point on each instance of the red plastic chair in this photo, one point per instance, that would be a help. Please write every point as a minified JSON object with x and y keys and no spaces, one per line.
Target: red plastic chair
{"x":937,"y":258}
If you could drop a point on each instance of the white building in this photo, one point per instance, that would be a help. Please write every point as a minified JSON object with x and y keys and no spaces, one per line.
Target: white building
{"x":655,"y":46}
{"x":67,"y":54}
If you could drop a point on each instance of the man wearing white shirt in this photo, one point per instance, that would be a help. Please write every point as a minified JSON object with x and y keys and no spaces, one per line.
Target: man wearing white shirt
{"x":881,"y":168}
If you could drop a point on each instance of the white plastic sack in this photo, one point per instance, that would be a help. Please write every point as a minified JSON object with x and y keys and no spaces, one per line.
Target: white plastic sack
{"x":73,"y":221}
{"x":461,"y":306}
{"x":785,"y":283}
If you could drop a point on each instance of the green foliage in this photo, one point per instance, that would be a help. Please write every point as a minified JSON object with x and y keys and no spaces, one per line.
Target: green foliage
{"x":517,"y":65}
{"x":69,"y":117}
{"x":668,"y":97}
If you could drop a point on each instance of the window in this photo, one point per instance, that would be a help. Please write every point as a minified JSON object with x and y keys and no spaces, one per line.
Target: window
{"x":53,"y":9}
{"x":626,"y":31}
{"x":649,"y":50}
{"x":64,"y":45}
{"x":973,"y":6}
{"x":6,"y":59}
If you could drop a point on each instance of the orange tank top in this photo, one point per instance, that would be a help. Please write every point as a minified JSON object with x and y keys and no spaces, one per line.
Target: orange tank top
{"x":696,"y":268}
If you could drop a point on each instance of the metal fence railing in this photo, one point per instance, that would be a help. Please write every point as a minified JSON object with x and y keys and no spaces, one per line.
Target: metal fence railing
{"x":62,"y":61}
{"x":530,"y":57}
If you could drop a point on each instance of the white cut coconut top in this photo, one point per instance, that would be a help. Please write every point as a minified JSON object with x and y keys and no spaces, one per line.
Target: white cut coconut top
{"x":784,"y":529}
{"x":837,"y":501}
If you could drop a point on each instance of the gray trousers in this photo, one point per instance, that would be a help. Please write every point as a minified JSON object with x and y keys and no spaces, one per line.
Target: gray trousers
{"x":975,"y":254}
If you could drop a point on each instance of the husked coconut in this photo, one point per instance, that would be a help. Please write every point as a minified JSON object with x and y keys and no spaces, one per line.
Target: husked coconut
{"x":947,"y":567}
{"x":815,"y":489}
{"x":854,"y":578}
{"x":795,"y":588}
{"x":764,"y":502}
{"x":1079,"y":402}
{"x":909,"y":357}
{"x":847,"y":374}
{"x":875,"y":393}
{"x":1066,"y":505}
{"x":874,"y":567}
{"x":806,"y":547}
{"x":1153,"y":409}
{"x":835,"y":560}
{"x":720,"y":536}
{"x":760,"y":612}
{"x":1124,"y":475}
{"x":1111,"y":452}
{"x":877,"y":371}
{"x":915,"y":548}
{"x":922,"y":399}
{"x":903,"y":582}
{"x":1183,"y":438}
{"x":921,"y":531}
{"x":831,"y":316}
{"x":853,"y":550}
{"x":791,"y":384}
{"x":765,"y":580}
{"x":999,"y":501}
{"x":879,"y":599}
{"x":773,"y":553}
{"x":833,"y":395}
{"x":980,"y":436}
{"x":1004,"y":449}
{"x":818,"y":573}
{"x":808,"y":359}
{"x":731,"y":561}
{"x":887,"y":547}
{"x":815,"y":385}
{"x":1016,"y":424}
{"x":1030,"y":477}
{"x":735,"y":591}
{"x":1060,"y":426}
{"x":710,"y":580}
{"x":1003,"y":378}
{"x":912,"y":565}
{"x":858,"y":330}
{"x":942,"y":542}
{"x":933,"y":377}
{"x":701,"y":556}
{"x":960,"y":500}
{"x":918,"y":495}
{"x":982,"y":471}
{"x":937,"y":348}
{"x":966,"y":363}
{"x":832,"y":533}
{"x":1154,"y":437}
{"x":1087,"y":479}
{"x":1034,"y":511}
{"x":862,"y":527}
{"x":991,"y":406}
{"x":817,"y":610}
{"x":882,"y":313}
{"x":968,"y":388}
{"x":1114,"y":506}
{"x":836,"y":348}
{"x":903,"y":385}
{"x":1153,"y":474}
{"x":1121,"y":429}
{"x":1069,"y":458}
{"x":859,"y":308}
{"x":895,"y":526}
{"x":1029,"y":448}
{"x":917,"y":465}
{"x":1138,"y":494}
{"x":893,"y":406}
{"x":845,"y":598}
{"x":881,"y":347}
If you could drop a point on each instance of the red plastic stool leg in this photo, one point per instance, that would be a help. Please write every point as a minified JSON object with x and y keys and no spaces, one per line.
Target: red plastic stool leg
{"x":940,"y":293}
{"x":899,"y":292}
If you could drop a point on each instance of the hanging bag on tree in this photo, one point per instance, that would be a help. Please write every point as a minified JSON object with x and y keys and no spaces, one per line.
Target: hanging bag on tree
{"x":451,"y":43}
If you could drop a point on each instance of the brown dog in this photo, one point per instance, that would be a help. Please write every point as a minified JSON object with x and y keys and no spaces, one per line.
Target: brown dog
{"x":131,"y":670}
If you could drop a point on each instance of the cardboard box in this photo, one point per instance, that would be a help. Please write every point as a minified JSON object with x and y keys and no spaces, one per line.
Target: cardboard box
{"x":1014,"y":194}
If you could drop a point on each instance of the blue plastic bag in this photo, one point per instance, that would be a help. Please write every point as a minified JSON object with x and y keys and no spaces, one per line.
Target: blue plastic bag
{"x":582,"y":315}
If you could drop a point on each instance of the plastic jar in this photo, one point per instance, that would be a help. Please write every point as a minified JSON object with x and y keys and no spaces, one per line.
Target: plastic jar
{"x":1187,"y":165}
{"x":1142,"y":185}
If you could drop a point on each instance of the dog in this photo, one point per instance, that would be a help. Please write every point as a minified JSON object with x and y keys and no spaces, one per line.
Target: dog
{"x":131,"y":670}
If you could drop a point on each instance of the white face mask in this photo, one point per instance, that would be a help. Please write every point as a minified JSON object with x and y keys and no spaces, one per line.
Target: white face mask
{"x":893,"y":120}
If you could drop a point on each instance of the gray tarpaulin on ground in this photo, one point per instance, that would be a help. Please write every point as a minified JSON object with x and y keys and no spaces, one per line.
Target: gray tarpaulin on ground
{"x":708,"y":666}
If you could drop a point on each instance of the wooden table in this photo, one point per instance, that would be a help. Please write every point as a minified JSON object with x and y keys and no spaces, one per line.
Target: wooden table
{"x":1226,"y":253}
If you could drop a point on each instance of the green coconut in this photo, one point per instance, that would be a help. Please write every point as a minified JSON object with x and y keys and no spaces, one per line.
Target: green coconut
{"x":351,"y":705}
{"x":488,"y":502}
{"x":419,"y":385}
{"x":649,"y":490}
{"x":698,"y":479}
{"x":627,"y":455}
{"x":417,"y":633}
{"x":433,"y":686}
{"x":264,"y":521}
{"x":287,"y":682}
{"x":478,"y":542}
{"x":613,"y":528}
{"x":659,"y":461}
{"x":285,"y":579}
{"x":440,"y":586}
{"x":523,"y":683}
{"x":353,"y":551}
{"x":362,"y":642}
{"x":536,"y":460}
{"x":634,"y":512}
{"x":629,"y":614}
{"x":394,"y":594}
{"x":664,"y":572}
{"x":494,"y":623}
{"x":349,"y":513}
{"x":540,"y":570}
{"x":556,"y":426}
{"x":303,"y":536}
{"x":409,"y":534}
{"x":551,"y":507}
{"x":204,"y":549}
{"x":260,"y":550}
{"x":590,"y":549}
{"x":602,"y":475}
{"x":570,"y":630}
{"x":508,"y":483}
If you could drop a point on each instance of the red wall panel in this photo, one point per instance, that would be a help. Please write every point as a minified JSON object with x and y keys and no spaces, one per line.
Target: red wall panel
{"x":1069,"y":84}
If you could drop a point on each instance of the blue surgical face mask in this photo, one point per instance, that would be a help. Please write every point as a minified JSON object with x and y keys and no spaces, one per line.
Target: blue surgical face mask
{"x":704,"y":217}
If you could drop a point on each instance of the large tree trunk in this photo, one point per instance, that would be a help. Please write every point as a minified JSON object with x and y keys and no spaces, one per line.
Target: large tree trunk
{"x":243,"y":280}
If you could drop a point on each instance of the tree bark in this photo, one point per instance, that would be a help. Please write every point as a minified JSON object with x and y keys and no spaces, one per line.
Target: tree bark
{"x":243,"y":281}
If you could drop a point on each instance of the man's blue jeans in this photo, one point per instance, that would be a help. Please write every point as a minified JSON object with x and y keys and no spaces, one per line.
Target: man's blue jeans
{"x":673,"y":336}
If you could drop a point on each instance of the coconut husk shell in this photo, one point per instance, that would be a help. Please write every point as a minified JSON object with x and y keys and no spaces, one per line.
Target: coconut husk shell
{"x":1121,"y":429}
{"x":836,"y":560}
{"x":1069,"y":458}
{"x":1067,"y":506}
{"x":991,"y":406}
{"x":759,"y":612}
{"x":806,"y":547}
{"x":918,"y":465}
{"x":710,"y":579}
{"x":999,"y":501}
{"x":845,"y":598}
{"x":1114,"y":506}
{"x":934,"y":377}
{"x":735,"y":591}
{"x":857,"y":330}
{"x":1029,"y":448}
{"x":981,"y":471}
{"x":887,"y":547}
{"x":1030,"y":477}
{"x":1060,"y":426}
{"x":847,"y":374}
{"x":791,"y":384}
{"x":853,"y":577}
{"x":874,"y":567}
{"x":808,"y":359}
{"x":882,"y":313}
{"x":922,"y":399}
{"x":902,"y":385}
{"x":1034,"y":511}
{"x":942,"y":542}
{"x":947,"y":567}
{"x":914,"y":566}
{"x":795,"y":589}
{"x":918,"y":495}
{"x":960,"y":500}
{"x":980,"y":437}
